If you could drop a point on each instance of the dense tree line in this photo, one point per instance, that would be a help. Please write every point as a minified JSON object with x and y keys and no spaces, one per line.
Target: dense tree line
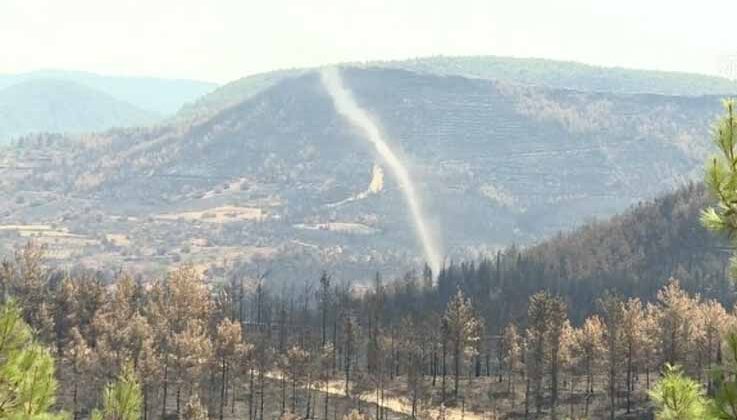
{"x":633,"y":254}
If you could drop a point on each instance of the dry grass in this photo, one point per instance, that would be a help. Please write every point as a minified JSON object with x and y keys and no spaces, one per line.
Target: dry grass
{"x":224,"y":214}
{"x":341,"y":227}
{"x":118,"y":239}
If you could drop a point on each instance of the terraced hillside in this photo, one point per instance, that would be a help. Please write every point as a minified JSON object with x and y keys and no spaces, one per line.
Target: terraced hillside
{"x":567,"y":75}
{"x":524,"y":71}
{"x":497,"y":163}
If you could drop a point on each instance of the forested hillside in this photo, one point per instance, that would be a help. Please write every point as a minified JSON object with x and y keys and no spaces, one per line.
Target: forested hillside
{"x":633,"y":255}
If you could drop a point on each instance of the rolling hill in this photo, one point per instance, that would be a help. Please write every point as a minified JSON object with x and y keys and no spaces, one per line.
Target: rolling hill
{"x":568,"y":75}
{"x":46,"y":105}
{"x":524,"y":71}
{"x":155,"y":95}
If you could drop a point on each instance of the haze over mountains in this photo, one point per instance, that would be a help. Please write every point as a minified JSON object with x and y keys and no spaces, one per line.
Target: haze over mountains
{"x":48,"y":105}
{"x":504,"y":151}
{"x":69,"y":101}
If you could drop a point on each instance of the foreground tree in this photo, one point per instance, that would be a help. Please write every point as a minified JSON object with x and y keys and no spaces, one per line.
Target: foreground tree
{"x":721,"y":179}
{"x":724,"y":405}
{"x":27,"y":383}
{"x":678,"y":397}
{"x":122,"y":399}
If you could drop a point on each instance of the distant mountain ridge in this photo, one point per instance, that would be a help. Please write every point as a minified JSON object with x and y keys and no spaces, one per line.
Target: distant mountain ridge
{"x":568,"y":75}
{"x":49,"y":105}
{"x":525,"y":71}
{"x":155,"y":95}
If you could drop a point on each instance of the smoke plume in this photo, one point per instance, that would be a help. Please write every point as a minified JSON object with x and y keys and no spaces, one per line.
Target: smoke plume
{"x":345,"y":104}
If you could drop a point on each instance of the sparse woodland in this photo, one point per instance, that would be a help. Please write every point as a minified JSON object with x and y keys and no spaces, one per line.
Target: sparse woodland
{"x":241,"y":350}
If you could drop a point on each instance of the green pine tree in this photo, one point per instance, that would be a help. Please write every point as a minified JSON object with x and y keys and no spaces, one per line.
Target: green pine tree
{"x":28,"y":386}
{"x":122,"y":399}
{"x":721,"y":179}
{"x":724,"y":404}
{"x":678,"y":397}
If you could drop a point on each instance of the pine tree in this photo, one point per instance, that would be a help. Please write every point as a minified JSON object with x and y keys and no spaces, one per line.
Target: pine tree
{"x":612,"y":312}
{"x":90,"y":296}
{"x":677,"y":310}
{"x":678,"y":397}
{"x":82,"y":361}
{"x":323,"y":369}
{"x":350,"y":335}
{"x":650,"y":340}
{"x":227,"y":347}
{"x":511,"y":352}
{"x":28,"y":385}
{"x":65,"y":312}
{"x":177,"y":306}
{"x":633,"y":318}
{"x":724,"y":405}
{"x":721,"y":179}
{"x":122,"y":400}
{"x":713,"y":322}
{"x":558,"y":320}
{"x":298,"y":360}
{"x":25,"y":280}
{"x":148,"y":366}
{"x":464,"y":331}
{"x":325,"y":297}
{"x":191,"y":351}
{"x":537,"y":330}
{"x":411,"y":344}
{"x":589,"y":346}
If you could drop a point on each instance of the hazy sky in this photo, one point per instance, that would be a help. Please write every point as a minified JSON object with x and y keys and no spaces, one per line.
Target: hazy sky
{"x":221,"y":40}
